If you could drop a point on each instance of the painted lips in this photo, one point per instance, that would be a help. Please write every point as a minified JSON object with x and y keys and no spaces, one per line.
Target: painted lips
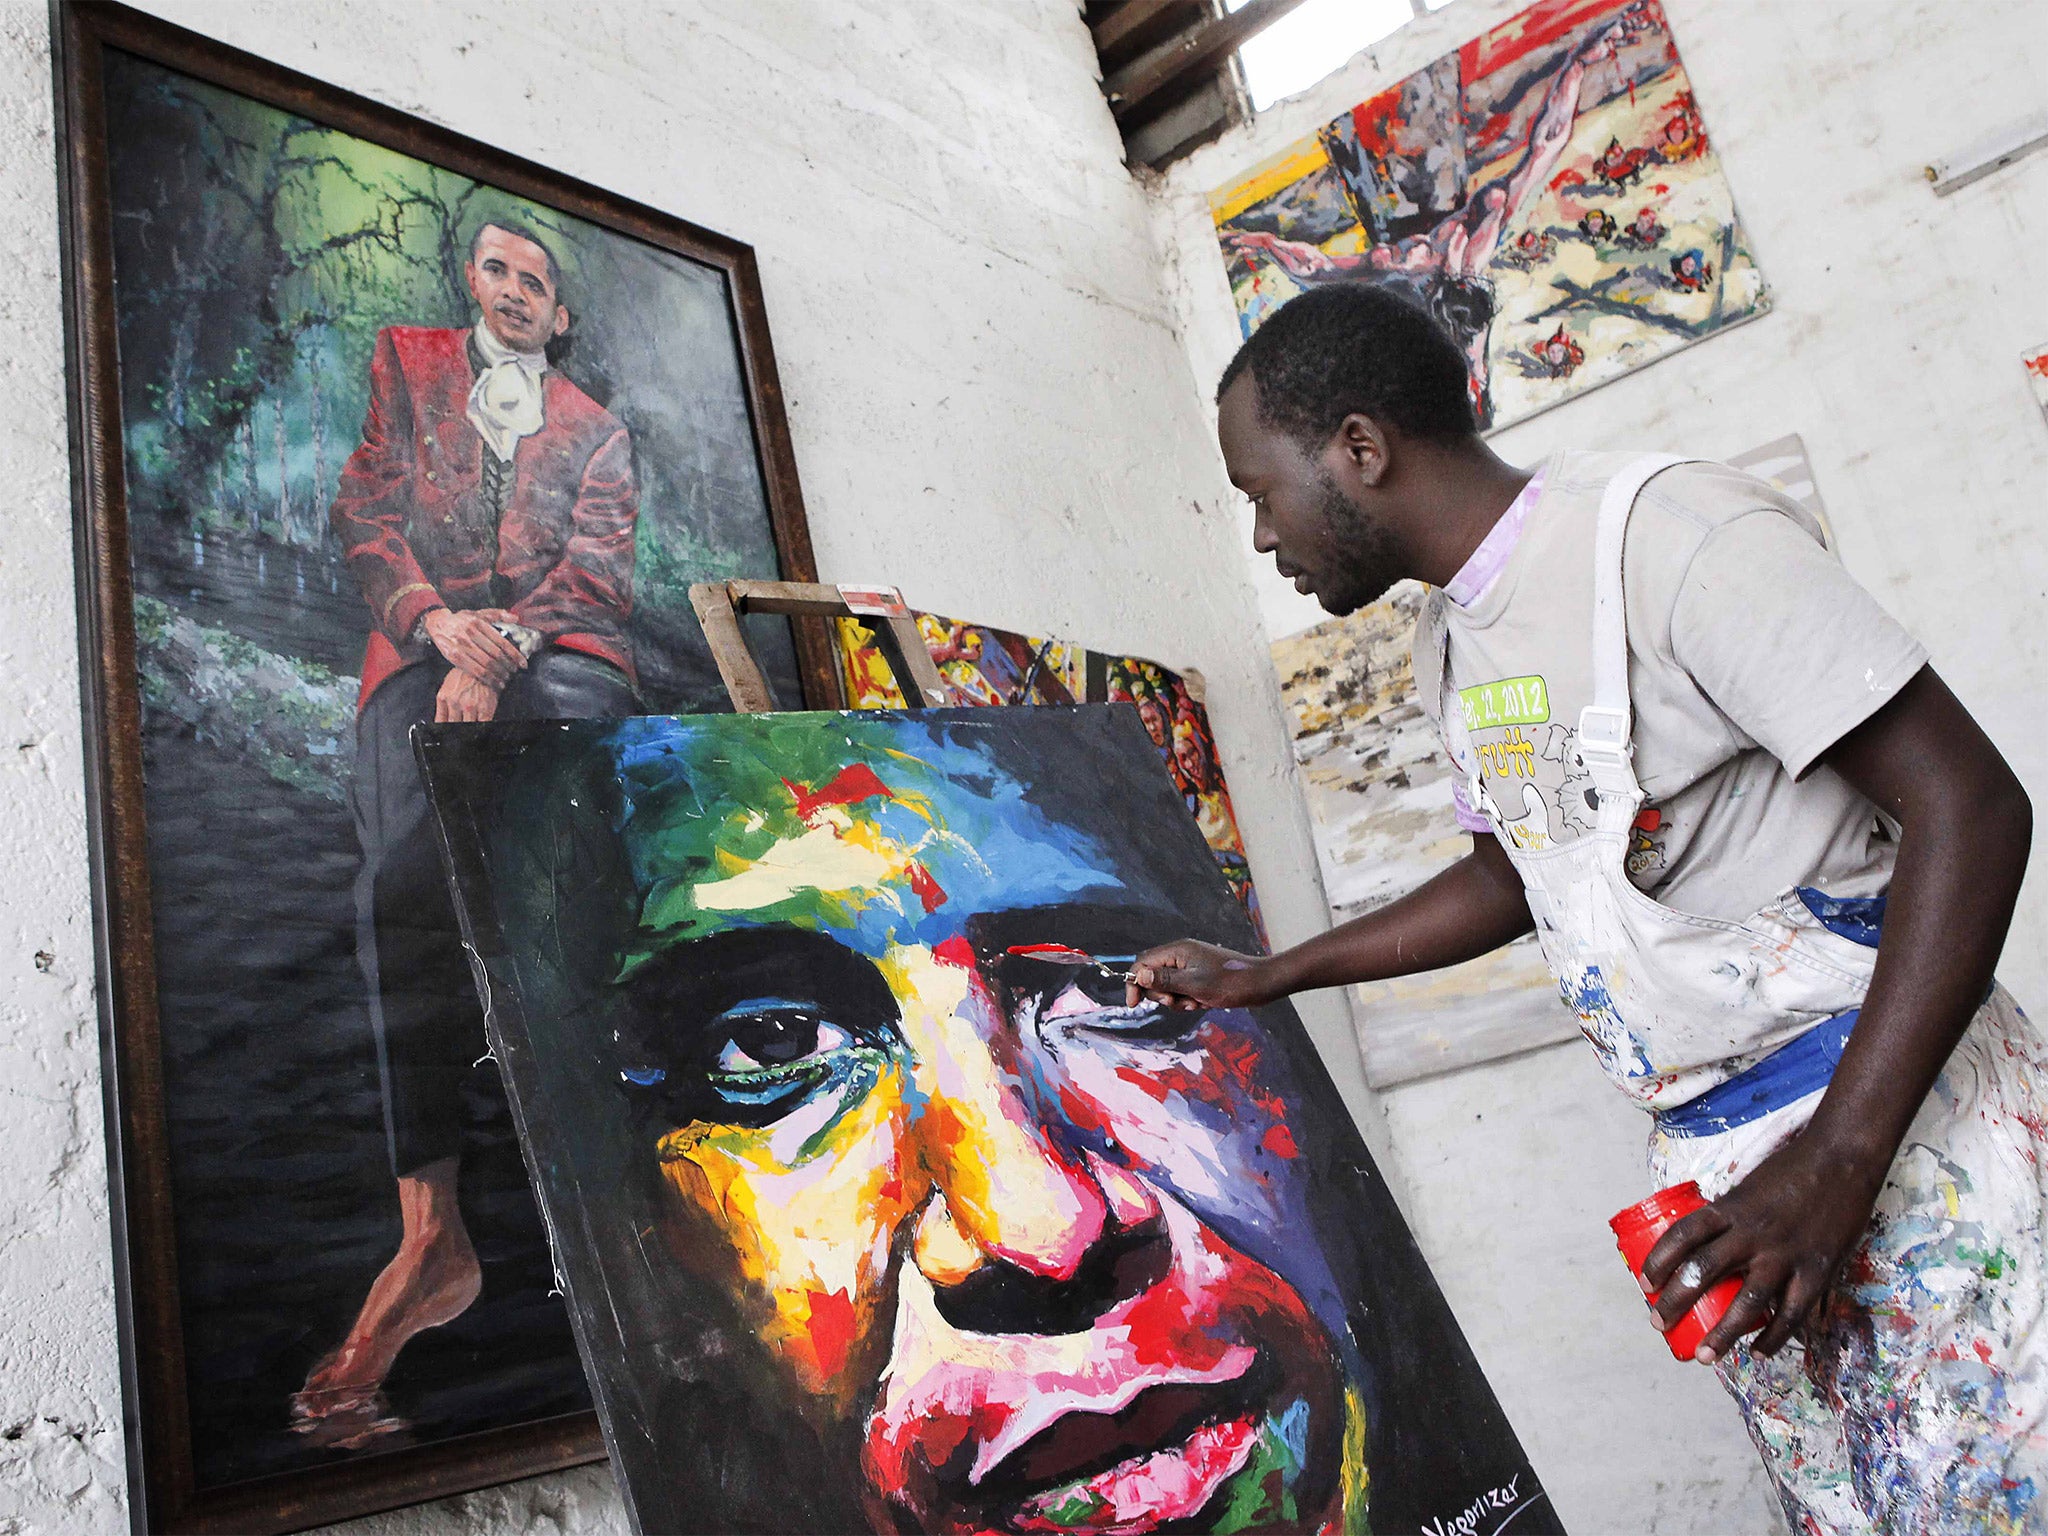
{"x":1147,"y":1490}
{"x":1139,"y":1422}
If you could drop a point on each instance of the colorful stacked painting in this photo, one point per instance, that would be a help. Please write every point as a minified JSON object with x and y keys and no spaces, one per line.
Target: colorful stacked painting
{"x":877,"y":1208}
{"x":978,"y":664}
{"x":981,"y":665}
{"x":1378,"y":787}
{"x":1548,"y":192}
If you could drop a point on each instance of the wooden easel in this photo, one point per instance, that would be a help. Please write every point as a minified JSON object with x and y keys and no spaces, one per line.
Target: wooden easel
{"x":719,"y":605}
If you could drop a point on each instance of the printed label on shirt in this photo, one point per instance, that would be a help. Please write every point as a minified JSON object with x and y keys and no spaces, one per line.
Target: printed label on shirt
{"x":1510,"y":701}
{"x":1512,"y":757}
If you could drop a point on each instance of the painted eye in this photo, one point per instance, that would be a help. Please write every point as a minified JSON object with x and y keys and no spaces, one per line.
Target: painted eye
{"x":781,"y":1037}
{"x":1080,"y":1007}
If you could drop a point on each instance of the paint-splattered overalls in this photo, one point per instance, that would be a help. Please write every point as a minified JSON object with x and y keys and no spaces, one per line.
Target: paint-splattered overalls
{"x":1916,"y":1401}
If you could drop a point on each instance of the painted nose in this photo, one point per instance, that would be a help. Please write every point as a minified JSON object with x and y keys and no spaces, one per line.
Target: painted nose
{"x":975,"y":1295}
{"x":1005,"y":1192}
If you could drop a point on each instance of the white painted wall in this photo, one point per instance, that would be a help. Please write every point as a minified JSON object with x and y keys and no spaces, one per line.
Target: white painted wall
{"x":990,"y":406}
{"x":1893,"y":350}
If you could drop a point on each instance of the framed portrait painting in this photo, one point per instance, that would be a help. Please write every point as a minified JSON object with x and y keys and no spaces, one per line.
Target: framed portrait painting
{"x":373,"y":425}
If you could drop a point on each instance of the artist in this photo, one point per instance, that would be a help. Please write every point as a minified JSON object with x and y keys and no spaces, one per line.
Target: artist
{"x":488,"y":515}
{"x":1772,"y":872}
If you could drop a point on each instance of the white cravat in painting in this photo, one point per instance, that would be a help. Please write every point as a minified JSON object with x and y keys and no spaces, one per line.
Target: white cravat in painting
{"x":505,"y":401}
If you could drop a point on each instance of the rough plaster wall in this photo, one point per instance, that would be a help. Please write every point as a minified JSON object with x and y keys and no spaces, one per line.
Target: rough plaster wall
{"x":60,"y":1417}
{"x":1893,"y":350}
{"x":990,"y":405}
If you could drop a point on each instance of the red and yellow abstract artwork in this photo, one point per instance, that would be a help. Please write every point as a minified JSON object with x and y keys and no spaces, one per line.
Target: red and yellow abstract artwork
{"x":1548,"y":192}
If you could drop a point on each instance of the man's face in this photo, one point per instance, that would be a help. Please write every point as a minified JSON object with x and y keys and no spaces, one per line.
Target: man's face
{"x":973,"y":1204}
{"x":1318,"y":534}
{"x":508,"y":278}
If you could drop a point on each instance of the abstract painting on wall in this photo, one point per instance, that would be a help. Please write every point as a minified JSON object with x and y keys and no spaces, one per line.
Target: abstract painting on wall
{"x":2036,"y":365}
{"x":877,"y":1208}
{"x":980,"y":664}
{"x":1378,"y":786}
{"x":1547,"y":191}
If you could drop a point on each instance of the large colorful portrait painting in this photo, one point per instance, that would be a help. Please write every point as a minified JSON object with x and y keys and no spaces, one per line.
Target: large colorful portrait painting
{"x":877,"y":1207}
{"x":407,"y":431}
{"x":1548,"y":192}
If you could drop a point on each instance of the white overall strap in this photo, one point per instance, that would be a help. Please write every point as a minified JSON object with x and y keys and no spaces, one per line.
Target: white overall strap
{"x":1605,"y":724}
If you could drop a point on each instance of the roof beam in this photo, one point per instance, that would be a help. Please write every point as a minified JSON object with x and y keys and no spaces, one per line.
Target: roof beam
{"x":1154,"y":74}
{"x":1131,"y":17}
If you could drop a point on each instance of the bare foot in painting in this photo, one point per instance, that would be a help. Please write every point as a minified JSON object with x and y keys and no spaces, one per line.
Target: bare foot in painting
{"x":432,"y":1280}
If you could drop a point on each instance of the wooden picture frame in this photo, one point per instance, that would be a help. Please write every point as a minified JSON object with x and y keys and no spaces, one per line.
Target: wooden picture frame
{"x":166,"y":1493}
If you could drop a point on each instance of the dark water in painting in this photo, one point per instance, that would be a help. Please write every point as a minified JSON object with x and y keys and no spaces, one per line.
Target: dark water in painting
{"x":298,"y":602}
{"x":284,"y":1199}
{"x":285,"y":1203}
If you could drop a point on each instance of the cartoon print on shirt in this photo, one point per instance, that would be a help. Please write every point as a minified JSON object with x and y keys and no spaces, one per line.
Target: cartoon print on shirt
{"x":1576,"y":803}
{"x":1645,"y":846}
{"x":1529,"y":827}
{"x":1532,"y":784}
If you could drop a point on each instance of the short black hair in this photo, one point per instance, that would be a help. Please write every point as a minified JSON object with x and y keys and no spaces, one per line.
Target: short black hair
{"x":1355,"y":347}
{"x":522,"y":232}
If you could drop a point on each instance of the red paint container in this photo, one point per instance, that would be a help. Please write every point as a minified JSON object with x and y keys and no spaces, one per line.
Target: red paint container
{"x":1636,"y":1231}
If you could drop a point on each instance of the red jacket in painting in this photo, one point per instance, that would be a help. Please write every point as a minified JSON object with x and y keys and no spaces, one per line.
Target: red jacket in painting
{"x":419,"y":533}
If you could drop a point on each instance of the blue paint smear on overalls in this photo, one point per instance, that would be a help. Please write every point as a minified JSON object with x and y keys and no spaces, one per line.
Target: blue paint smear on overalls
{"x":1805,"y":1065}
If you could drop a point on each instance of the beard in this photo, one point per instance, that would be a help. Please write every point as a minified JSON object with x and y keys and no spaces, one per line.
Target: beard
{"x":1366,"y":560}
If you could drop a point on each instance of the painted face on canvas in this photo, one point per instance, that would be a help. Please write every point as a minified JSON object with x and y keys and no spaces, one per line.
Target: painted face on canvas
{"x":1052,"y":1256}
{"x":513,"y":281}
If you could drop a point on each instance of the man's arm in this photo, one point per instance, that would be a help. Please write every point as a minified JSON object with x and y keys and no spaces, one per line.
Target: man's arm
{"x":374,"y":501}
{"x":371,"y":507}
{"x":1966,"y":825}
{"x":1475,"y":906}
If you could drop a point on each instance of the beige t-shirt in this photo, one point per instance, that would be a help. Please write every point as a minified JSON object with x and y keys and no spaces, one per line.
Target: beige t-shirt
{"x":1751,"y":652}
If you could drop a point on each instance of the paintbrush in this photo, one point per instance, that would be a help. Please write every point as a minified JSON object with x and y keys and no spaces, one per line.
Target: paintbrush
{"x":1063,"y":954}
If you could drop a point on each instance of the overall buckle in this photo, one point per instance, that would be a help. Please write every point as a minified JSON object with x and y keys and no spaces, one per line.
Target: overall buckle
{"x":1605,"y":749}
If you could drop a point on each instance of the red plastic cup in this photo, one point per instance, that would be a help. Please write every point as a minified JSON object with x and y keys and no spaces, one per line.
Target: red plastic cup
{"x":1636,"y":1231}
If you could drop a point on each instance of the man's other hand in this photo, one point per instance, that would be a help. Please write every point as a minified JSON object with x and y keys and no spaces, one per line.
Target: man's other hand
{"x":1786,"y":1229}
{"x":1188,"y":974}
{"x":470,"y":644}
{"x":463,"y":697}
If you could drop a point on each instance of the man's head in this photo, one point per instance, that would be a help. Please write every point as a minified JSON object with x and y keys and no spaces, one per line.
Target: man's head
{"x":1052,"y":1261}
{"x":517,"y":285}
{"x":1322,"y":415}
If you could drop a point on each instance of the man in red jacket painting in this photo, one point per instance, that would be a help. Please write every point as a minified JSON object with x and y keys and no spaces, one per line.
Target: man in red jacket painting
{"x":488,"y":516}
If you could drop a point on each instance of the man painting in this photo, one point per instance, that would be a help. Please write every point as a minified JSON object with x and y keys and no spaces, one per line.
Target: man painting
{"x":488,"y":516}
{"x":1772,"y":879}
